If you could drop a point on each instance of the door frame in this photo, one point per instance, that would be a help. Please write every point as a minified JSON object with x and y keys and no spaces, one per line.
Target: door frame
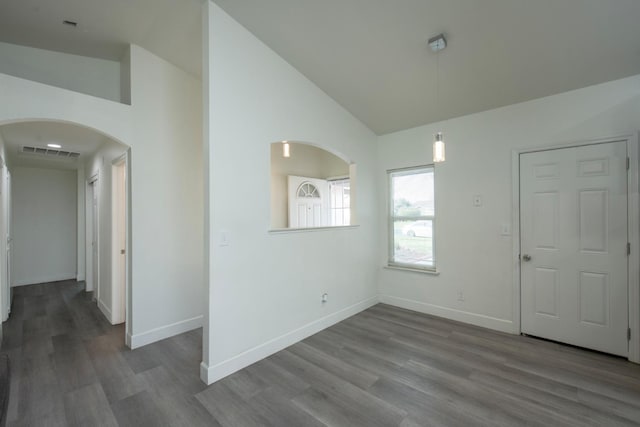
{"x":633,"y":232}
{"x":119,"y":312}
{"x":92,"y":187}
{"x":5,"y":241}
{"x":9,"y":238}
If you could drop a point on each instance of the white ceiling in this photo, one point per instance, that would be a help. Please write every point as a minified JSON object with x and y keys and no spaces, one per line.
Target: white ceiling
{"x":39,"y":134}
{"x":371,"y":55}
{"x":169,"y":28}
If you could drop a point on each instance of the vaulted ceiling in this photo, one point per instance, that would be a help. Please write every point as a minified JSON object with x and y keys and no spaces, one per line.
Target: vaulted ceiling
{"x":371,"y":56}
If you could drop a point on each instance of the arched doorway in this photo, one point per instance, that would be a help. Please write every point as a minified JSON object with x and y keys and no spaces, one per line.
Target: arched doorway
{"x":37,"y":150}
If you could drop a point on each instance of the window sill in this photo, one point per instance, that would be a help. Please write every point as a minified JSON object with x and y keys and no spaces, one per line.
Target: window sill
{"x":277,"y":231}
{"x":413,"y":270}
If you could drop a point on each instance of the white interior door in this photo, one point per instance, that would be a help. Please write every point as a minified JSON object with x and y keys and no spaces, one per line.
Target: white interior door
{"x":119,"y":242}
{"x":308,"y":198}
{"x":95,"y":232}
{"x":6,"y":208}
{"x":573,"y":207}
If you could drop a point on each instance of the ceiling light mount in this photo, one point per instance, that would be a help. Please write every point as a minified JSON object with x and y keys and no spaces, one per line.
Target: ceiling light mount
{"x":437,"y":43}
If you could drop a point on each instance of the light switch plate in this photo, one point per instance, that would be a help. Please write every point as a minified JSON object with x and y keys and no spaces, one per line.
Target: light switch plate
{"x":505,"y":229}
{"x":477,"y":200}
{"x":223,"y":238}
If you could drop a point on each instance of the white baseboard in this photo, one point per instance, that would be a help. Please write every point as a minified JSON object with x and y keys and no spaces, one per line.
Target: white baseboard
{"x":482,"y":320}
{"x":211,"y":374}
{"x":163,"y":332}
{"x":80,"y":277}
{"x":105,"y":310}
{"x":45,"y":279}
{"x":127,"y":340}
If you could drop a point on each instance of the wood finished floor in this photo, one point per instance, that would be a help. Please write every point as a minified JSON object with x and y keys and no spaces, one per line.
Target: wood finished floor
{"x":383,"y":367}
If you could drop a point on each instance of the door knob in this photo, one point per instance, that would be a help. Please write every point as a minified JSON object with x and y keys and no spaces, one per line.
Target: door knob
{"x":526,"y":257}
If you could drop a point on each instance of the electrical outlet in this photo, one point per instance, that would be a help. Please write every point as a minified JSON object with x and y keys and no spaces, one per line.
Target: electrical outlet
{"x":460,"y":296}
{"x":325,"y":297}
{"x":477,"y":200}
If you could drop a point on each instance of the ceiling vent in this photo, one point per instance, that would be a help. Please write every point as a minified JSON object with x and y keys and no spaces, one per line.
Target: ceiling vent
{"x":50,"y":152}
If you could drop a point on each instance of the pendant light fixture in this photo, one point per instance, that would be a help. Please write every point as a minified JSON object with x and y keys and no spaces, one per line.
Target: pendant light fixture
{"x":438,"y":43}
{"x":285,"y":149}
{"x":438,"y":148}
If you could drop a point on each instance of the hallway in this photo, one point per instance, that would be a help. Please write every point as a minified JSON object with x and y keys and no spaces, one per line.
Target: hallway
{"x":69,"y":366}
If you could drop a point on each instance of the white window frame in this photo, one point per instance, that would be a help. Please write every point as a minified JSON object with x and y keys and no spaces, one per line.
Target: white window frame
{"x":333,"y":181}
{"x":392,"y":218}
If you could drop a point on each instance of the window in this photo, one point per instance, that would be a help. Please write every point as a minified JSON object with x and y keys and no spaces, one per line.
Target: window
{"x":340,"y":202}
{"x":309,"y":191}
{"x":412,"y":218}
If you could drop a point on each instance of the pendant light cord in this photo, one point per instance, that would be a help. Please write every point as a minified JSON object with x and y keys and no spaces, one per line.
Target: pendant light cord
{"x":437,"y":44}
{"x":437,"y":80}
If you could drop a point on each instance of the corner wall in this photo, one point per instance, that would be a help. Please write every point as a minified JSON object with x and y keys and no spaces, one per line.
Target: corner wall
{"x":265,"y":288}
{"x":167,"y":206}
{"x":472,"y":255}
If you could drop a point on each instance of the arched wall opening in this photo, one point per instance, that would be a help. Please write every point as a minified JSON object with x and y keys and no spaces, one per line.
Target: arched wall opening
{"x":166,"y":182}
{"x":39,"y":152}
{"x":311,"y":187}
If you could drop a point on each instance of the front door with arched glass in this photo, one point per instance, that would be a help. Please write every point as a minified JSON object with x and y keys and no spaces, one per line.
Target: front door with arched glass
{"x":307,"y":202}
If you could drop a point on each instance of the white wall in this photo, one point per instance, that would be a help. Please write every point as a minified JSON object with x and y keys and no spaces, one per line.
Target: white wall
{"x":163,"y":129}
{"x":44,"y":225}
{"x":4,"y":217}
{"x":306,"y":160}
{"x":125,"y":77}
{"x":80,"y":185}
{"x":472,"y":256}
{"x":100,"y":164}
{"x":93,"y":76}
{"x":24,"y":100}
{"x":265,"y":288}
{"x":166,"y":185}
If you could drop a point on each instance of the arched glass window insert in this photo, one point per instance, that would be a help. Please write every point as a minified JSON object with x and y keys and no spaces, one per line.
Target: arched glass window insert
{"x":308,"y":190}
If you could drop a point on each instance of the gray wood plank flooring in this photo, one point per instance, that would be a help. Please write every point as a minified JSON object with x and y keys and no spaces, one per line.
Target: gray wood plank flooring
{"x":383,"y":367}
